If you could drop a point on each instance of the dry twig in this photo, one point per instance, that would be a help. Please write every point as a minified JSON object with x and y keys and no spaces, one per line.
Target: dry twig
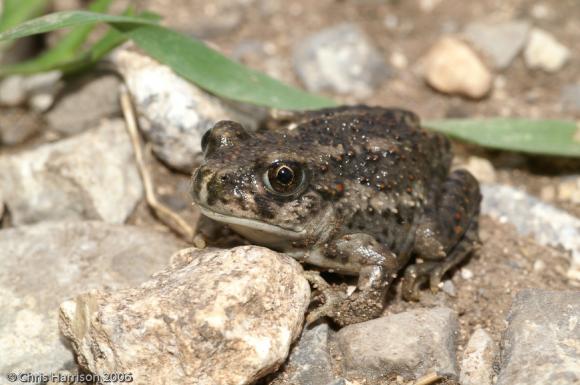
{"x":162,"y":212}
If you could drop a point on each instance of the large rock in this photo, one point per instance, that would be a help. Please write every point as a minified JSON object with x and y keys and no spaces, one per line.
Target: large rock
{"x":541,"y":345}
{"x":452,"y":67}
{"x":340,"y":59}
{"x":226,"y":317}
{"x":544,"y":52}
{"x":501,"y":42}
{"x":85,"y":105}
{"x":478,"y":360}
{"x":90,"y":176}
{"x":410,"y":344}
{"x":45,"y":264}
{"x":174,"y":113}
{"x":548,"y":225}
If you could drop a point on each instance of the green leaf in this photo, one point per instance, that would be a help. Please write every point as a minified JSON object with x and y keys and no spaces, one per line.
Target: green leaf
{"x":188,"y":57}
{"x":63,"y":53}
{"x":15,"y":12}
{"x":547,"y":137}
{"x":67,"y":19}
{"x":214,"y":72}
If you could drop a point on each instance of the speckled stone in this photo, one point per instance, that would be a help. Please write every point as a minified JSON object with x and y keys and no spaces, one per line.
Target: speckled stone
{"x":220,"y":317}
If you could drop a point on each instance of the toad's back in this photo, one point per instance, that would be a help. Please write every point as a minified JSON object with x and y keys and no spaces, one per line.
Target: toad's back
{"x":381,"y":169}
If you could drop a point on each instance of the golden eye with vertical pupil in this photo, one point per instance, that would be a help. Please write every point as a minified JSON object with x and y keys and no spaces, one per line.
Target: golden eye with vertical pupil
{"x":284,"y":178}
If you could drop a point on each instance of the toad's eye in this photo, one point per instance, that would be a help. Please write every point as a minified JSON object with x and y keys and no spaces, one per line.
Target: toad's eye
{"x":284,"y":178}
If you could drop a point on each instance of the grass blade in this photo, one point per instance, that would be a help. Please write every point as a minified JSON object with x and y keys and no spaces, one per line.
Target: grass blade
{"x":188,"y":57}
{"x":67,"y":19}
{"x":64,"y":52}
{"x":546,"y":137}
{"x":209,"y":69}
{"x":15,"y":12}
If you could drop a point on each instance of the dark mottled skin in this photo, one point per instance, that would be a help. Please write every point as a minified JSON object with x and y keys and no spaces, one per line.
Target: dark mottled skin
{"x":377,"y":192}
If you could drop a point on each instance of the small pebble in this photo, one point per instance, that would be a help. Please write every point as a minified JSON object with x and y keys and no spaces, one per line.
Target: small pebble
{"x":12,"y":91}
{"x":478,"y":358}
{"x":539,"y":265}
{"x":545,"y":52}
{"x":399,"y":60}
{"x":452,"y":67}
{"x":466,"y":274}
{"x":449,"y":288}
{"x":481,"y":168}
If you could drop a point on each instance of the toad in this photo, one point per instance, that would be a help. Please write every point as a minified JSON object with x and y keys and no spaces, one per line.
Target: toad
{"x":355,"y":190}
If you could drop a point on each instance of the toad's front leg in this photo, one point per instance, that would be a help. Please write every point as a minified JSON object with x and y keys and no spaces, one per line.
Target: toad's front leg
{"x":378,"y":266}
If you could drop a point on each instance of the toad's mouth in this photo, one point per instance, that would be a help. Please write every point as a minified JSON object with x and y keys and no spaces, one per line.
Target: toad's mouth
{"x":253,"y":229}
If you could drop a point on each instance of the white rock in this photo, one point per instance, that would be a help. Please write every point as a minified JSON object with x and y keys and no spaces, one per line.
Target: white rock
{"x":544,"y":52}
{"x":411,"y":344}
{"x":227,"y":317}
{"x":90,"y":176}
{"x":174,"y":113}
{"x":502,"y":42}
{"x":478,"y":359}
{"x":452,"y":67}
{"x":45,"y":264}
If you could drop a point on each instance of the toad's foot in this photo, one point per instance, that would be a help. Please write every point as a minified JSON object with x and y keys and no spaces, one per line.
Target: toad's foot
{"x":432,"y":272}
{"x":332,"y":297}
{"x":344,"y":309}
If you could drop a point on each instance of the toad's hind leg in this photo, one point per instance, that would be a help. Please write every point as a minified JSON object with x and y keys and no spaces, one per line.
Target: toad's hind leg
{"x":447,"y":236}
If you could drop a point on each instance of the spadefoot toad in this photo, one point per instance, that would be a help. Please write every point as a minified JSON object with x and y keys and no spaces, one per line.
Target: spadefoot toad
{"x":356,"y":190}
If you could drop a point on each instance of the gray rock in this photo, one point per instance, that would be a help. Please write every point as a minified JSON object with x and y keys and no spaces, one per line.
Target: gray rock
{"x":89,"y":176}
{"x":502,"y":42}
{"x":45,"y":264}
{"x":544,"y":52}
{"x":410,"y":344}
{"x":17,"y":125}
{"x":541,"y":345}
{"x":226,"y":317}
{"x":570,"y":96}
{"x":478,"y":359}
{"x":340,"y":59}
{"x":174,"y":113}
{"x":310,"y":362}
{"x":546,"y":223}
{"x":85,"y":105}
